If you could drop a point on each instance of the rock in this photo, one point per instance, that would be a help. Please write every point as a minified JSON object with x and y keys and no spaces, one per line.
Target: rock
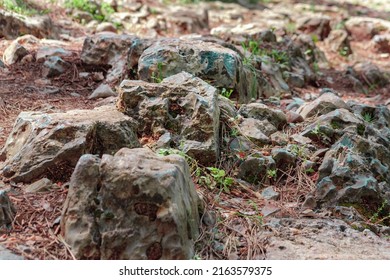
{"x":254,"y":169}
{"x":41,"y":185}
{"x":228,"y":110}
{"x":293,"y":117}
{"x":54,"y":66}
{"x":183,"y":20}
{"x":322,"y":105}
{"x":106,"y":26}
{"x":274,"y":73}
{"x":294,"y":79}
{"x":371,"y":74}
{"x":133,"y":205}
{"x":324,"y":239}
{"x":6,"y":254}
{"x":283,"y":158}
{"x":183,"y":105}
{"x":279,"y":138}
{"x":13,"y":25}
{"x":27,"y":59}
{"x":260,"y":111}
{"x":109,"y":50}
{"x":270,"y":210}
{"x":209,"y":61}
{"x":45,"y":52}
{"x":51,"y":144}
{"x":318,"y":25}
{"x":2,"y":65}
{"x":7,"y":211}
{"x":14,"y":53}
{"x":244,"y":32}
{"x":82,"y":16}
{"x":253,"y":130}
{"x":269,"y":194}
{"x":338,"y":42}
{"x":364,"y":28}
{"x":102,"y":91}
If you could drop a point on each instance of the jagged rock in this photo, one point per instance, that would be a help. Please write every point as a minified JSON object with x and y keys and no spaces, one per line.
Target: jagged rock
{"x":2,"y":65}
{"x":371,"y":74}
{"x":261,"y":111}
{"x":325,"y":239}
{"x":284,"y":159}
{"x":47,"y":51}
{"x":279,"y":138}
{"x":254,"y":169}
{"x":106,"y":27}
{"x":7,"y":211}
{"x":293,"y":117}
{"x":381,"y":43}
{"x":338,"y":42}
{"x":269,"y":194}
{"x":54,"y":66}
{"x":275,"y":75}
{"x":221,"y":66}
{"x":13,"y":25}
{"x":82,"y":16}
{"x":294,"y":79}
{"x":322,"y":105}
{"x":43,"y":184}
{"x":187,"y":20}
{"x":182,"y":104}
{"x":227,"y":108}
{"x":318,"y":25}
{"x":253,"y":130}
{"x":364,"y":28}
{"x":133,"y":205}
{"x":109,"y":50}
{"x":14,"y":53}
{"x":51,"y":144}
{"x":244,"y":32}
{"x":102,"y":91}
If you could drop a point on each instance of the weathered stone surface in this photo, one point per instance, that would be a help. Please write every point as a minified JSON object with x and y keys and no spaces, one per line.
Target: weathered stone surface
{"x":284,"y":159}
{"x":14,"y":53}
{"x":54,"y":66}
{"x":269,"y":194}
{"x":322,"y":105}
{"x":372,"y":74}
{"x":221,"y":66}
{"x":309,"y":239}
{"x":6,"y":254}
{"x":364,"y":28}
{"x":51,"y":144}
{"x":182,"y":104}
{"x":102,"y":91}
{"x":41,"y":185}
{"x":319,"y":25}
{"x":381,"y":43}
{"x":338,"y":42}
{"x":46,"y":51}
{"x":243,"y":32}
{"x":253,"y":130}
{"x":13,"y":25}
{"x":7,"y":211}
{"x":182,"y":20}
{"x":261,"y":111}
{"x":133,"y":205}
{"x":106,"y":27}
{"x":254,"y":169}
{"x":120,"y":52}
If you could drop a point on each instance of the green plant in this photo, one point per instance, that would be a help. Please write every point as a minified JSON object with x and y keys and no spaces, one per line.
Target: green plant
{"x":20,"y":7}
{"x":368,"y":117}
{"x":220,"y":179}
{"x":226,"y":92}
{"x":157,"y":75}
{"x":344,"y":51}
{"x":101,"y":13}
{"x":271,"y":173}
{"x":379,"y":216}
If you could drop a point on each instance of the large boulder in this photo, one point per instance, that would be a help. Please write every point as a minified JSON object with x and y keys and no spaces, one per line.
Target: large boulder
{"x":133,"y":205}
{"x":183,"y":105}
{"x":13,"y":25}
{"x":52,"y":144}
{"x":218,"y":65}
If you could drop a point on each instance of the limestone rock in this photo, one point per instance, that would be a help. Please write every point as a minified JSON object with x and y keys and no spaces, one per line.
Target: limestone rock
{"x":13,"y":25}
{"x":51,"y":144}
{"x":45,"y":52}
{"x":54,"y":66}
{"x":261,"y":111}
{"x":284,"y":159}
{"x":7,"y":211}
{"x":322,"y":105}
{"x":102,"y":91}
{"x":14,"y":53}
{"x":253,"y":130}
{"x":373,"y":76}
{"x":43,"y":184}
{"x":182,"y":104}
{"x":254,"y":169}
{"x":133,"y":205}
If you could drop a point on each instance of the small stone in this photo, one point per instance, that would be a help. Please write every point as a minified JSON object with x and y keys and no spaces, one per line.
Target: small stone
{"x":164,"y":141}
{"x":283,"y":158}
{"x":14,"y":53}
{"x":269,"y":194}
{"x":54,"y":66}
{"x":41,"y":185}
{"x":293,"y":117}
{"x":47,"y":51}
{"x":7,"y":210}
{"x":97,"y":76}
{"x":75,"y":94}
{"x":294,"y":79}
{"x":27,"y":59}
{"x":106,"y":26}
{"x":253,"y":129}
{"x":279,"y":138}
{"x":268,"y":210}
{"x":309,"y":203}
{"x":102,"y":91}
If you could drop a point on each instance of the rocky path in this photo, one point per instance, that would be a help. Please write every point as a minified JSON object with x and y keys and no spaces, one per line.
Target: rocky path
{"x":237,"y":130}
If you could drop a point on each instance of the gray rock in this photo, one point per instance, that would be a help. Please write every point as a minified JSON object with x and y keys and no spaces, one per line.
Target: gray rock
{"x":283,"y":158}
{"x":14,"y":53}
{"x":372,"y":74}
{"x":41,"y":185}
{"x":253,"y":130}
{"x":13,"y":25}
{"x":51,"y":144}
{"x":6,"y":254}
{"x":254,"y":169}
{"x":338,"y":42}
{"x":294,"y":79}
{"x":269,"y":194}
{"x":133,"y":205}
{"x":45,"y":52}
{"x":102,"y":91}
{"x":54,"y":66}
{"x":260,"y":111}
{"x":279,"y":138}
{"x":2,"y":65}
{"x":322,"y":105}
{"x":182,"y":104}
{"x":7,"y":211}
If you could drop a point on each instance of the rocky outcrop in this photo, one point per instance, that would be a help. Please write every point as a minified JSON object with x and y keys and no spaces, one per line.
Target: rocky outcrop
{"x":133,"y":205}
{"x":52,"y":143}
{"x":183,"y":105}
